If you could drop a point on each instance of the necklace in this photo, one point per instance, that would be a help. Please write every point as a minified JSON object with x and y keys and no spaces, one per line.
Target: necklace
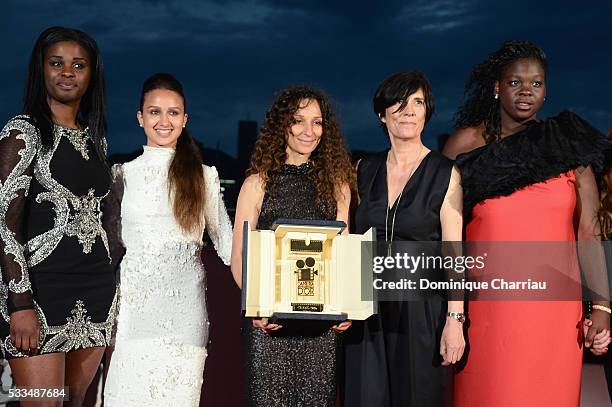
{"x":389,"y":236}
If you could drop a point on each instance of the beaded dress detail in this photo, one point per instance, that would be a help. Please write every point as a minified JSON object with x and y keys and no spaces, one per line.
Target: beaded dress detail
{"x":162,"y":326}
{"x":295,"y":366}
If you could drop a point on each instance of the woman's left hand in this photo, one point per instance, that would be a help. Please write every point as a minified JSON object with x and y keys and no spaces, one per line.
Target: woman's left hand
{"x":597,"y":332}
{"x":452,"y":344}
{"x":342,"y":326}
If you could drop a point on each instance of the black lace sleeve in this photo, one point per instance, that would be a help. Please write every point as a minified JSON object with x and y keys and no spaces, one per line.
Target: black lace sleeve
{"x":18,"y":146}
{"x":111,"y":217}
{"x":540,"y":152}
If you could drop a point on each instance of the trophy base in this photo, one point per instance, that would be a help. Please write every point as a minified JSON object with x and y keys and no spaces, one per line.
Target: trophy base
{"x":316,"y":316}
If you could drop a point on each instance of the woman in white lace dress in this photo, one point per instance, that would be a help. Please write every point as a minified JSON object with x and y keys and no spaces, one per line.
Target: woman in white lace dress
{"x":166,"y":200}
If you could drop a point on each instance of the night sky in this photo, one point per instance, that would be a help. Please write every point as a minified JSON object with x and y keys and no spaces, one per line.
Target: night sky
{"x":233,"y":56}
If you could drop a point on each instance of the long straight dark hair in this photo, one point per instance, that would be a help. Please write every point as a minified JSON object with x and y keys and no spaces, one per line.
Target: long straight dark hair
{"x":92,"y":109}
{"x":185,"y":178}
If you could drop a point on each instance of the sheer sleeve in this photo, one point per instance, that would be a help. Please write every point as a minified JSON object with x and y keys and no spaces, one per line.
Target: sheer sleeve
{"x":590,"y":251}
{"x":218,"y":224}
{"x":18,"y":146}
{"x":111,"y":216}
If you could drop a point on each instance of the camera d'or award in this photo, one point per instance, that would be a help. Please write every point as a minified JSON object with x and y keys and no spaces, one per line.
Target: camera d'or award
{"x":305,"y":269}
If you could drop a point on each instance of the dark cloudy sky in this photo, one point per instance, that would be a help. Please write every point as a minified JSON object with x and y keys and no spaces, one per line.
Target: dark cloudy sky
{"x":232,"y":56}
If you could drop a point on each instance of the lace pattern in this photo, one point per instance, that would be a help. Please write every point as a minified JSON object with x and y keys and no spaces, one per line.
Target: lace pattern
{"x":162,"y":289}
{"x":17,"y":180}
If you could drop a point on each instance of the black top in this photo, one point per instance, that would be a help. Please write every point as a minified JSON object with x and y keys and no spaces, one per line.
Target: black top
{"x":291,"y":193}
{"x":418,"y":210}
{"x":543,"y":150}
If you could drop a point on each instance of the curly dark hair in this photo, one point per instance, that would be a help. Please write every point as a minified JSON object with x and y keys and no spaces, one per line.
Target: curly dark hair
{"x":605,"y":195}
{"x":331,"y":161}
{"x":605,"y":208}
{"x":479,"y":106}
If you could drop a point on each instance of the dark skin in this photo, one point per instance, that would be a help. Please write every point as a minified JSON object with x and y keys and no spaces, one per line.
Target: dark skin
{"x":67,"y":74}
{"x":463,"y":141}
{"x":521,"y":90}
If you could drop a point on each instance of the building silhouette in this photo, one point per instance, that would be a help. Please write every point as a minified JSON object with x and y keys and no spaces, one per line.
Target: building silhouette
{"x":247,"y":135}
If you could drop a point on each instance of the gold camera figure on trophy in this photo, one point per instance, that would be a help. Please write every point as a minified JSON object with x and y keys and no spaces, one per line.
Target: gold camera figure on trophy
{"x":304,"y":270}
{"x":309,"y":292}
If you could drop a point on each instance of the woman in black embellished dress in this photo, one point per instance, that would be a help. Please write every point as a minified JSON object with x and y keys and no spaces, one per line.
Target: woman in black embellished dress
{"x":299,"y":169}
{"x":58,"y":290}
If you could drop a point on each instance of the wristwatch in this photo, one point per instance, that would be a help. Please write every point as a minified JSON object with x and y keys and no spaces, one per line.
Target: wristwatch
{"x":459,"y":316}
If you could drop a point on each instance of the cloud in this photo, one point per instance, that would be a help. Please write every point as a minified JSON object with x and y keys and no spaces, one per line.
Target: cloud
{"x":437,"y":15}
{"x":233,"y":56}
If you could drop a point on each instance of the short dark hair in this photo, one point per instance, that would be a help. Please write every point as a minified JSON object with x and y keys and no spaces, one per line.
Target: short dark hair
{"x":397,"y":88}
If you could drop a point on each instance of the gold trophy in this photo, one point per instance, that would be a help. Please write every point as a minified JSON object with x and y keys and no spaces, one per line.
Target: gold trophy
{"x":305,"y":270}
{"x":309,"y":292}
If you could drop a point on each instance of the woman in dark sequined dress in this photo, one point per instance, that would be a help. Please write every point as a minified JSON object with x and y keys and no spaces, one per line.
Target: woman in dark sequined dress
{"x":300,"y":169}
{"x":57,"y":295}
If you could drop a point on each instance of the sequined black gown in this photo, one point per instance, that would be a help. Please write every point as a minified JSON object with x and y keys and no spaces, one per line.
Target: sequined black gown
{"x":295,"y":366}
{"x":53,"y":247}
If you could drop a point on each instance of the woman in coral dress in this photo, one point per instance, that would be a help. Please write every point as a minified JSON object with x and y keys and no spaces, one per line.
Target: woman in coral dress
{"x":528,"y":181}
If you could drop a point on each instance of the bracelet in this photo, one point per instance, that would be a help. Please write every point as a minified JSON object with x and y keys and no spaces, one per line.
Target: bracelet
{"x":602,"y":308}
{"x":458,"y":316}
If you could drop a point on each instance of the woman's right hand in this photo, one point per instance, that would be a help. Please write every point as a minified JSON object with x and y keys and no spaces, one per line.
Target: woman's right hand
{"x":262,"y":323}
{"x":597,"y":339}
{"x":25,"y":330}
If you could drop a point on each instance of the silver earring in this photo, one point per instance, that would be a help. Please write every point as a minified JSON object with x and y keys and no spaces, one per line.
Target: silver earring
{"x":496,"y":96}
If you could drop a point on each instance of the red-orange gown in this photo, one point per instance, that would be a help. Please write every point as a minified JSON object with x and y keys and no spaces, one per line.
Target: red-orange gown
{"x":522,"y":353}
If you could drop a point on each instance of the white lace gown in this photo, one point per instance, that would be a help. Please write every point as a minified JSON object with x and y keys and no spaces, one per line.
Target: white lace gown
{"x":162,"y":326}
